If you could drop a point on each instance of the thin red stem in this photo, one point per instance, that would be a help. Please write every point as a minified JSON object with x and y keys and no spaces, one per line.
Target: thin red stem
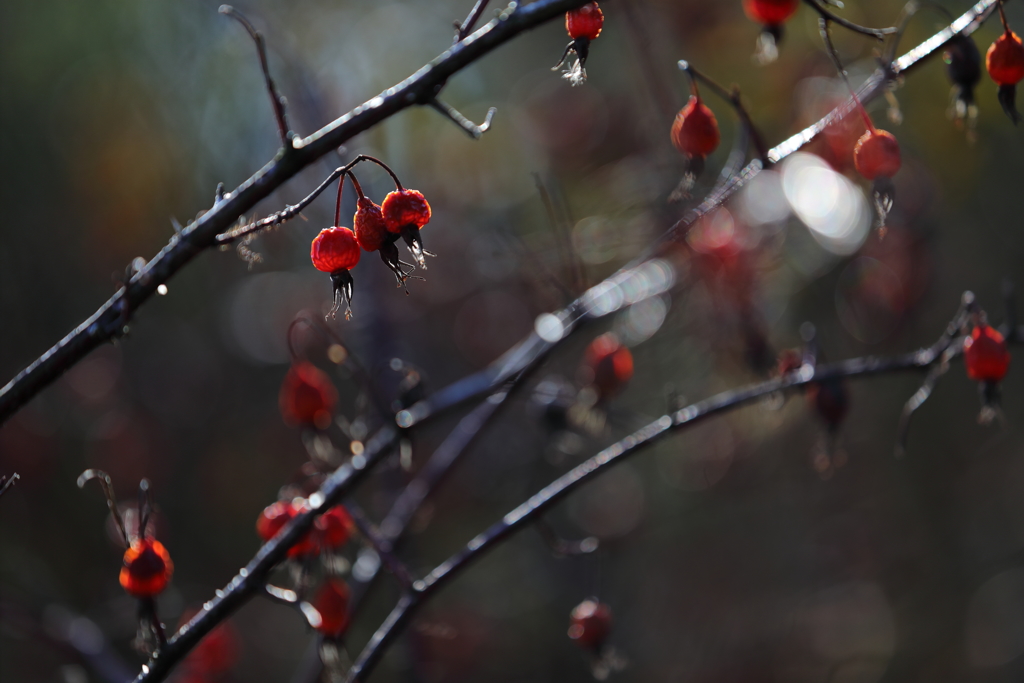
{"x":355,"y":183}
{"x":337,"y":207}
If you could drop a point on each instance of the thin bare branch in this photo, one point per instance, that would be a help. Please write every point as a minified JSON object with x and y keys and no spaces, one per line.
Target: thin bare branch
{"x":7,"y":482}
{"x":276,"y":100}
{"x":420,"y":88}
{"x":473,"y":130}
{"x":541,"y":502}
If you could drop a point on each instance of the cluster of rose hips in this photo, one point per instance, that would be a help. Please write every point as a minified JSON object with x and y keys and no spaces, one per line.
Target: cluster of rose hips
{"x":331,"y":531}
{"x":375,"y":227}
{"x":583,"y":25}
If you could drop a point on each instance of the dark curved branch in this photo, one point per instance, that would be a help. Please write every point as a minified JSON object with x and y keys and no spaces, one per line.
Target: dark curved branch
{"x":451,"y":113}
{"x":7,"y":482}
{"x":532,"y":510}
{"x":110,"y":320}
{"x":462,"y":30}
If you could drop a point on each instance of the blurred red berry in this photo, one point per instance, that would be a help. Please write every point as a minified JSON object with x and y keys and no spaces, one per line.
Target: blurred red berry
{"x":1005,"y":59}
{"x":695,"y":129}
{"x":590,"y":623}
{"x":307,"y":397}
{"x":147,"y":568}
{"x":877,"y":153}
{"x":610,"y":363}
{"x":334,"y":249}
{"x":403,"y":208}
{"x":273,"y":519}
{"x":770,"y":12}
{"x":585,"y":22}
{"x":335,"y":527}
{"x":215,"y":654}
{"x":985,"y":355}
{"x":331,"y":602}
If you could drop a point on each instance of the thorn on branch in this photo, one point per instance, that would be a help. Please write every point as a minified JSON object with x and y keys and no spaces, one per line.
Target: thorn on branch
{"x":276,"y":100}
{"x":473,"y":130}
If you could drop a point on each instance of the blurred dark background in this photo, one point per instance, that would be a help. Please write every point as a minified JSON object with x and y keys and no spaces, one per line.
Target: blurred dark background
{"x":728,"y":552}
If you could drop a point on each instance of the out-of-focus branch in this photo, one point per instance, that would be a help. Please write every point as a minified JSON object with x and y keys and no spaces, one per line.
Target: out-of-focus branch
{"x":421,"y":88}
{"x":532,"y":510}
{"x":7,"y":482}
{"x":879,"y":33}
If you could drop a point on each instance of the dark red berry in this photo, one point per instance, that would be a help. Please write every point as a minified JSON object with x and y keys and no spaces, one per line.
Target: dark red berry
{"x":610,"y":364}
{"x":307,"y":397}
{"x":1005,"y":59}
{"x":147,"y":568}
{"x":403,"y":208}
{"x":590,"y":623}
{"x":334,"y":527}
{"x":770,"y":12}
{"x":274,"y":517}
{"x":877,"y":154}
{"x":368,"y":224}
{"x":331,"y":602}
{"x":334,"y":249}
{"x":985,"y":355}
{"x":585,"y":22}
{"x":695,"y":129}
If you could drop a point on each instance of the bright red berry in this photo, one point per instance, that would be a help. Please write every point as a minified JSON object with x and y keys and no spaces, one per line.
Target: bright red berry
{"x":272,"y":520}
{"x":307,"y":397}
{"x":368,"y":224}
{"x":877,"y":153}
{"x":331,"y":602}
{"x":334,"y":249}
{"x":610,"y":363}
{"x":590,"y":623}
{"x":334,"y":527}
{"x":403,"y":208}
{"x":770,"y":12}
{"x":147,"y":568}
{"x":1005,"y":59}
{"x":695,"y":130}
{"x":985,"y":355}
{"x":585,"y":22}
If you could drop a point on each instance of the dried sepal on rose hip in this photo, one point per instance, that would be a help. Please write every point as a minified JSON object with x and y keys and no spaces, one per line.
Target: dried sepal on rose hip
{"x":405,"y":213}
{"x":987,"y":360}
{"x":963,"y":66}
{"x":771,"y":14}
{"x":695,"y":134}
{"x":307,"y":397}
{"x":583,"y":25}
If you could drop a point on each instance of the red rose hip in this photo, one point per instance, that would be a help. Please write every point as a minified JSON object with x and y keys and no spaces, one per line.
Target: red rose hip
{"x":147,"y":568}
{"x":695,"y":130}
{"x":331,"y":602}
{"x":985,"y":355}
{"x":590,"y":623}
{"x":877,"y":153}
{"x":307,"y":397}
